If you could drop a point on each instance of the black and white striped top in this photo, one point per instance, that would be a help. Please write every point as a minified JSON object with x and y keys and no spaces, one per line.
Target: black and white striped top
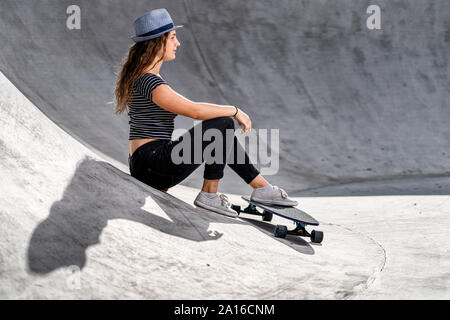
{"x":147,"y":119}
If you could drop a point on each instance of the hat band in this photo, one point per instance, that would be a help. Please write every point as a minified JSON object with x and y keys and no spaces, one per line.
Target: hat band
{"x":156,"y":31}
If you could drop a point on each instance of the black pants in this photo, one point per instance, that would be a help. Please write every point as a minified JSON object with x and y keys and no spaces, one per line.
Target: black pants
{"x":152,"y":163}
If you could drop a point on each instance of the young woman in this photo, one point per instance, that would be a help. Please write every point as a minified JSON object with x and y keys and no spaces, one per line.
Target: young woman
{"x":152,"y":106}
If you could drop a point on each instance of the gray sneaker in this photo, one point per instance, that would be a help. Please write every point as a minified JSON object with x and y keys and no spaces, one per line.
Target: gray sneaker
{"x":273,"y":196}
{"x":219,"y":204}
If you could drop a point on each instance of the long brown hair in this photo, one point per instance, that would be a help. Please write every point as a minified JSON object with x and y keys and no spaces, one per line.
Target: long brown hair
{"x":139,"y":56}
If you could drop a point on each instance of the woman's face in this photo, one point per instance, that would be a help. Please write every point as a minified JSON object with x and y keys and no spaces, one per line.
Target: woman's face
{"x":171,"y":46}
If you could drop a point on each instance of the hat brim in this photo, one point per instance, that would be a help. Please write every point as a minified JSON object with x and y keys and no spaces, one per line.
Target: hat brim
{"x":153,"y":36}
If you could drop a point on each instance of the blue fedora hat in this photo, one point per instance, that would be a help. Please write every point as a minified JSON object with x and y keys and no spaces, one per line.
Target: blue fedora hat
{"x":153,"y":24}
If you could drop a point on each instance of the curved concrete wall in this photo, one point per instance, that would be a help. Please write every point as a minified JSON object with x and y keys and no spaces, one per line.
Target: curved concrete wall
{"x":352,"y":104}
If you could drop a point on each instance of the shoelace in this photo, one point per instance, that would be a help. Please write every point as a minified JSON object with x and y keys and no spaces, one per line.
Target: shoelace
{"x":225,"y":201}
{"x":284,"y":194}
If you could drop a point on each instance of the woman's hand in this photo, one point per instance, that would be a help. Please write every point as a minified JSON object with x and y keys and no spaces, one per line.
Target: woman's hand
{"x":244,"y":120}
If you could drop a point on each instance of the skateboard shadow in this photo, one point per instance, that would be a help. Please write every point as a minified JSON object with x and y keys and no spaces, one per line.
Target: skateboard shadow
{"x":98,"y":193}
{"x":295,"y":242}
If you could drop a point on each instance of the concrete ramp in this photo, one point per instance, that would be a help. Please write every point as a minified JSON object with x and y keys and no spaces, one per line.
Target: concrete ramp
{"x":74,"y":226}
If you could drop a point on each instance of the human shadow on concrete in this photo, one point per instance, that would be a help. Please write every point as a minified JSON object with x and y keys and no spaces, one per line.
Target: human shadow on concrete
{"x":295,"y":242}
{"x":97,"y":193}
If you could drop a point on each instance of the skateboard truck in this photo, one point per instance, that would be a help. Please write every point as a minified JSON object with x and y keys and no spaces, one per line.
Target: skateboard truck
{"x":300,"y":230}
{"x":251,"y":209}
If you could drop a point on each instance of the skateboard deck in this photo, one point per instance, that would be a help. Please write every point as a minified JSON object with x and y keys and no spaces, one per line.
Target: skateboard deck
{"x":301,"y":219}
{"x":290,"y":213}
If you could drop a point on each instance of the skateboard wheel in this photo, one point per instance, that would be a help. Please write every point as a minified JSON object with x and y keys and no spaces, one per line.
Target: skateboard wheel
{"x":236,"y":208}
{"x":280,"y":231}
{"x":316,"y":236}
{"x":267,"y":216}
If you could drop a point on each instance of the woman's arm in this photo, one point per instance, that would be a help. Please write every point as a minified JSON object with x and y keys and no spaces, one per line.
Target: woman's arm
{"x":174,"y":102}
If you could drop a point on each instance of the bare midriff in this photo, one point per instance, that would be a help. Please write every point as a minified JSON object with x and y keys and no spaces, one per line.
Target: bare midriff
{"x":136,"y":143}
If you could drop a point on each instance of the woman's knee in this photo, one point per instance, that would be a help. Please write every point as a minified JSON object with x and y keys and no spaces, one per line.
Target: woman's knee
{"x":229,"y":122}
{"x":222,"y":123}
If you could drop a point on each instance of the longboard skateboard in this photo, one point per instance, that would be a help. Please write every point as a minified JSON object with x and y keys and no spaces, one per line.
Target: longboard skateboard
{"x":300,"y":218}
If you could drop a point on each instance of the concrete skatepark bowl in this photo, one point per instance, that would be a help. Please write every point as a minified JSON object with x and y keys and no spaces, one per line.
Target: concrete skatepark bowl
{"x":364,"y":147}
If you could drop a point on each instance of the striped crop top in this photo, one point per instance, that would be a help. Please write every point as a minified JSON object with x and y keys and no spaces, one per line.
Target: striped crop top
{"x":147,"y":119}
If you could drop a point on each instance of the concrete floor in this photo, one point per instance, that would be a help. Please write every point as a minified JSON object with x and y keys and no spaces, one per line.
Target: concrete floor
{"x":363,"y":148}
